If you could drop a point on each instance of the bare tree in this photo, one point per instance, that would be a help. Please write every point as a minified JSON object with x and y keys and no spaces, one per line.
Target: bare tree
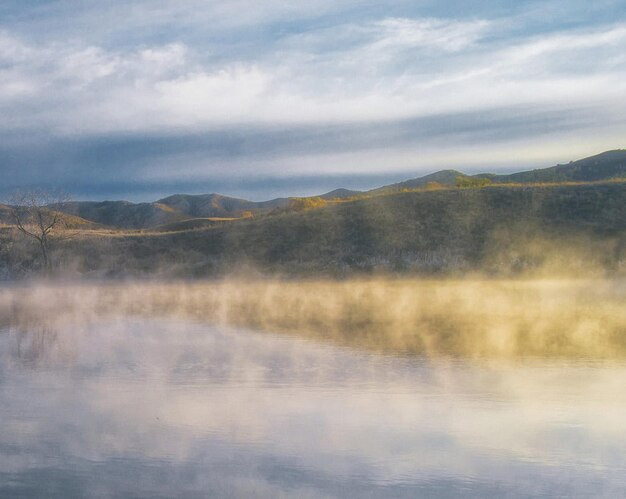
{"x":37,"y":214}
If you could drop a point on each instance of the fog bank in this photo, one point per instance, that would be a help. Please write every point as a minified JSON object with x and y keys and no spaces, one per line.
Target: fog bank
{"x":470,"y":318}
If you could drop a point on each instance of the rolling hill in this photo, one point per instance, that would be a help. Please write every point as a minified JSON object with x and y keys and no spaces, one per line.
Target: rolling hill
{"x":122,"y":214}
{"x":442,"y":177}
{"x":176,"y":208}
{"x":169,"y":212}
{"x":216,"y":205}
{"x":70,"y":221}
{"x":604,"y":166}
{"x":340,"y":194}
{"x":501,"y":229}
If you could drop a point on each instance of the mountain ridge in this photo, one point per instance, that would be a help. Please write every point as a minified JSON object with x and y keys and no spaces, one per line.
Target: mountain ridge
{"x":181,"y":207}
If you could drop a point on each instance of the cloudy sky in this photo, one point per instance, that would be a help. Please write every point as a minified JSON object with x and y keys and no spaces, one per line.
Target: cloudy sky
{"x":137,"y":99}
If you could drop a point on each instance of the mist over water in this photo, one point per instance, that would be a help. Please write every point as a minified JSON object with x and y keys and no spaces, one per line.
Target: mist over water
{"x":472,"y":317}
{"x":313,"y":389}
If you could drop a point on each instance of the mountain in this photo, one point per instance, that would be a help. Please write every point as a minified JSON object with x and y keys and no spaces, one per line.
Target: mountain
{"x":340,"y":194}
{"x":183,"y":207}
{"x":216,"y":205}
{"x":604,"y":166}
{"x":442,"y":177}
{"x":176,"y":208}
{"x":122,"y":214}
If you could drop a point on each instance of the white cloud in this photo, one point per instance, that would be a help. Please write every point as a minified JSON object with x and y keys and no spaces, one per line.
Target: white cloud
{"x":385,"y":70}
{"x":12,"y":50}
{"x":449,"y":36}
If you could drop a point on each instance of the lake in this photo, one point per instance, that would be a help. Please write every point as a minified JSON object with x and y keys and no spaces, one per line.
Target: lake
{"x":136,"y":406}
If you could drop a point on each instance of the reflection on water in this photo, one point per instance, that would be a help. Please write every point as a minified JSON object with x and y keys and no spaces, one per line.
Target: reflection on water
{"x":162,"y":407}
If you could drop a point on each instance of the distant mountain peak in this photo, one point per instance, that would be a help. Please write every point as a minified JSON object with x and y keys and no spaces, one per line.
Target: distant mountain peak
{"x":340,"y":193}
{"x":443,"y":177}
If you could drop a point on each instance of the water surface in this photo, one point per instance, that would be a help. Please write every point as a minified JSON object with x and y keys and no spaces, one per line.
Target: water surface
{"x":159,"y":408}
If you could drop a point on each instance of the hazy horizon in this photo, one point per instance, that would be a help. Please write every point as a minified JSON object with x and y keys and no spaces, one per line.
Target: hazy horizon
{"x":262,"y":189}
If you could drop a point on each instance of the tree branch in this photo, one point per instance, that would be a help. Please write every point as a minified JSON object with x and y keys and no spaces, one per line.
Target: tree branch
{"x":21,"y":228}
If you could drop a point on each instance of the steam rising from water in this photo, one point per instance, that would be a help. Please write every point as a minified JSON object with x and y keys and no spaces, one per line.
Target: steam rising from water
{"x":472,"y":318}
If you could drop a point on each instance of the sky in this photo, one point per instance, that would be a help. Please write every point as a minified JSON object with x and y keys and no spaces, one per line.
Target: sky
{"x":139,"y":99}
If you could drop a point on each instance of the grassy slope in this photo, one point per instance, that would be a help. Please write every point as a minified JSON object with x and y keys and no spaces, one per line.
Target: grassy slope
{"x":443,"y":177}
{"x":170,"y":210}
{"x":123,"y":214}
{"x":604,"y":166}
{"x":71,"y":221}
{"x":496,"y":228}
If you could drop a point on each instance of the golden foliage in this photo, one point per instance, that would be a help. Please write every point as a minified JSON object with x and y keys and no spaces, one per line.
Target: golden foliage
{"x":301,"y":204}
